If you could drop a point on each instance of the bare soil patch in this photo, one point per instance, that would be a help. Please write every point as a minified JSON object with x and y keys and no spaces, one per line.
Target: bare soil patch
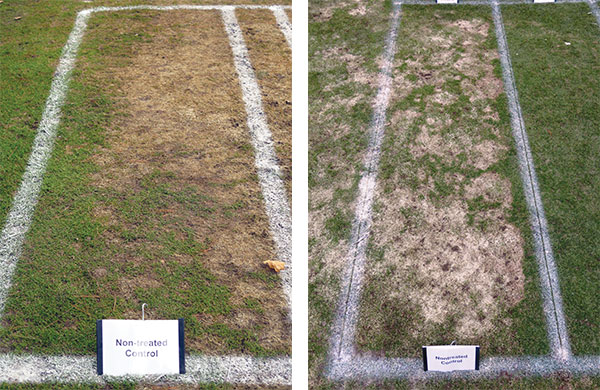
{"x":444,"y":258}
{"x":184,"y":132}
{"x":271,"y":58}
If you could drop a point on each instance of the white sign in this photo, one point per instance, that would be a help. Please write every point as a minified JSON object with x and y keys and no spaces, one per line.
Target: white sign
{"x":451,"y":357}
{"x":132,"y":347}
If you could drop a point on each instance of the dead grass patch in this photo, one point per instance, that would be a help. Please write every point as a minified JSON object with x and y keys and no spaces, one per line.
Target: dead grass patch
{"x":182,"y":146}
{"x":443,"y":257}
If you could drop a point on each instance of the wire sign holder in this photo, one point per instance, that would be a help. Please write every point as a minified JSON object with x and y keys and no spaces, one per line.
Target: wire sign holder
{"x":140,"y":347}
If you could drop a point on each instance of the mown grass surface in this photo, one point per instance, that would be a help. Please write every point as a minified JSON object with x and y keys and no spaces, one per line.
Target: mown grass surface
{"x":29,"y":51}
{"x":391,"y":323}
{"x":342,"y":44}
{"x":70,"y":273}
{"x":555,"y":51}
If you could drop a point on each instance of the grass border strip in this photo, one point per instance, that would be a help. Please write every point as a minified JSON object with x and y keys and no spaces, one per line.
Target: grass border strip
{"x":238,"y":369}
{"x":342,"y":346}
{"x":558,"y":336}
{"x":344,"y":363}
{"x":19,"y":218}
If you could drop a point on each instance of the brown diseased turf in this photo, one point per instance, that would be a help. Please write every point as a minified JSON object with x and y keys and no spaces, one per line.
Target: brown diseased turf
{"x":185,"y":119}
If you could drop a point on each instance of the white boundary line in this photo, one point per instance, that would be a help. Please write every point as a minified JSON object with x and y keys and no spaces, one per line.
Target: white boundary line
{"x":342,"y":337}
{"x":344,"y":363}
{"x":284,"y":24}
{"x":200,"y":368}
{"x":267,"y":163}
{"x":240,"y":369}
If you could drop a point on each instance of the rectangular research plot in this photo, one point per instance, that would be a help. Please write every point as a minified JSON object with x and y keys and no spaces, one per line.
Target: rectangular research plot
{"x":450,"y":252}
{"x":555,"y":52}
{"x":153,"y":195}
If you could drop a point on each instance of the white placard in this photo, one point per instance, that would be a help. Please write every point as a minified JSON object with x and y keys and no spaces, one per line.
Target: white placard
{"x":133,"y":347}
{"x":447,"y":1}
{"x":450,"y":357}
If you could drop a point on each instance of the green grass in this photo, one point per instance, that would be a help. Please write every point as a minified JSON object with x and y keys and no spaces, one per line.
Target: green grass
{"x":340,"y":110}
{"x":559,"y":91}
{"x":68,"y":275}
{"x":387,"y":325}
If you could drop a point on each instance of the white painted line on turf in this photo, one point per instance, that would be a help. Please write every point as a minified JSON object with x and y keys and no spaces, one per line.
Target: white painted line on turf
{"x":284,"y":24}
{"x":267,"y":164}
{"x":200,"y":368}
{"x":19,"y":218}
{"x":342,"y":336}
{"x":232,"y":369}
{"x":552,"y":300}
{"x":595,"y":10}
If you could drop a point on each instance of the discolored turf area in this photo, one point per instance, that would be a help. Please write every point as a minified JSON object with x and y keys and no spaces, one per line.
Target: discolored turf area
{"x":152,"y":196}
{"x":449,"y":255}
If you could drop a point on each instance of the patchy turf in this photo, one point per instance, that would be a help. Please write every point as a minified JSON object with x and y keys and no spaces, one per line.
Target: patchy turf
{"x":272,"y":60}
{"x":556,"y":60}
{"x":344,"y":47}
{"x":29,"y":52}
{"x":450,"y":256}
{"x":146,"y":200}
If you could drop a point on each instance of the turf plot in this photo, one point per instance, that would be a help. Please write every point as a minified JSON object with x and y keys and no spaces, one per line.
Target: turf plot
{"x":556,"y":60}
{"x":450,"y":254}
{"x":145,"y":199}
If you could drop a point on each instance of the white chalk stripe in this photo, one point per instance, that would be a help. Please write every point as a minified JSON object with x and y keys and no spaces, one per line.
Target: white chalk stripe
{"x":341,"y":346}
{"x":361,"y":368}
{"x":284,"y":23}
{"x":199,"y":368}
{"x":267,"y":163}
